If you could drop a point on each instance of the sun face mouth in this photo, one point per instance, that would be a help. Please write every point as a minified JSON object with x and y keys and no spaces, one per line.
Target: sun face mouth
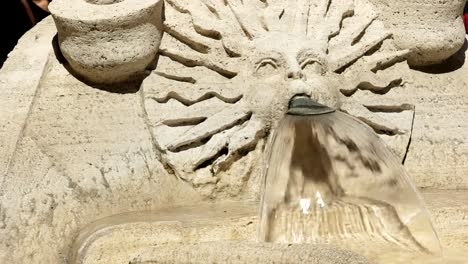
{"x":302,"y":105}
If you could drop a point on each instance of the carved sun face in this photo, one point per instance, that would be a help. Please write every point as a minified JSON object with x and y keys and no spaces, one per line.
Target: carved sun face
{"x":282,"y":66}
{"x":228,"y":69}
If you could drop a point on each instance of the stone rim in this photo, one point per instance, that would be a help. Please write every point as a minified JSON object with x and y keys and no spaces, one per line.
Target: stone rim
{"x":85,"y":11}
{"x":98,"y":2}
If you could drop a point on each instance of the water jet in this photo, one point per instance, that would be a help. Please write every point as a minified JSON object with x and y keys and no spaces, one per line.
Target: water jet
{"x":330,"y":180}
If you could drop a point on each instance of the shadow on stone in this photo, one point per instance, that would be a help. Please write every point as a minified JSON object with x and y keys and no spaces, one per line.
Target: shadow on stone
{"x":455,"y":62}
{"x":132,"y":85}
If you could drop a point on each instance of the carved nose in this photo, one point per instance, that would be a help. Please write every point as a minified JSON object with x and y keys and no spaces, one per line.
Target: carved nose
{"x":295,"y":75}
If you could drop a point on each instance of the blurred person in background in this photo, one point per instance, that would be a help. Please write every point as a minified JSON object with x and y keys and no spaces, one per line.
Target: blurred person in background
{"x":17,"y":17}
{"x":465,"y":17}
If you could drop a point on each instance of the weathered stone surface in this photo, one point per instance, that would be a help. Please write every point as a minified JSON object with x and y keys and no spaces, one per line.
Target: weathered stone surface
{"x":450,"y":212}
{"x":123,"y":238}
{"x":19,"y":79}
{"x":72,"y":159}
{"x":248,"y":252}
{"x":433,"y":30}
{"x":200,"y":234}
{"x":72,"y":154}
{"x":108,"y":41}
{"x":437,"y":157}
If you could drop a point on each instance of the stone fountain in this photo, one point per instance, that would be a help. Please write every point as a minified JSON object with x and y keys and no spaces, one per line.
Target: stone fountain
{"x":135,"y":131}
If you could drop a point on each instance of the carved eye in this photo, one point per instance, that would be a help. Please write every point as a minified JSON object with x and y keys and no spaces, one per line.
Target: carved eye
{"x":266,"y":67}
{"x":311,"y":67}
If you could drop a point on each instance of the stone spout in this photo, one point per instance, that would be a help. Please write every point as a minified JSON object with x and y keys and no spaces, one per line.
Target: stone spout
{"x":304,"y":106}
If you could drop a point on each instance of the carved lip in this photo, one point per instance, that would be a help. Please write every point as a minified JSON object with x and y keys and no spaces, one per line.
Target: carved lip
{"x":301,"y":105}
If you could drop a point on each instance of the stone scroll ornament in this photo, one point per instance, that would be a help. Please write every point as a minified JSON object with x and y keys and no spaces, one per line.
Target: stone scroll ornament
{"x":228,"y":68}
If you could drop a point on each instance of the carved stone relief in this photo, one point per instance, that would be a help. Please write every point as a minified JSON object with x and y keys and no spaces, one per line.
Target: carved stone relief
{"x":227,"y":70}
{"x":73,"y":153}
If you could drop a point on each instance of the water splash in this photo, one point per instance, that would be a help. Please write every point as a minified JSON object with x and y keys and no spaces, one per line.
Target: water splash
{"x":331,"y":180}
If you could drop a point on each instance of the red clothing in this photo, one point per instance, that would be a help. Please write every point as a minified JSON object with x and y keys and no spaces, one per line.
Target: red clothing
{"x":465,"y":20}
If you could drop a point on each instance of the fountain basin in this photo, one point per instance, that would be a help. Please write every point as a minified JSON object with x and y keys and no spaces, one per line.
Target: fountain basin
{"x":227,"y":232}
{"x":121,"y":238}
{"x":201,"y":234}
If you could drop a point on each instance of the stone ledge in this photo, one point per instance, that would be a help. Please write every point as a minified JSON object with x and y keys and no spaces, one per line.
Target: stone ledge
{"x":192,"y":232}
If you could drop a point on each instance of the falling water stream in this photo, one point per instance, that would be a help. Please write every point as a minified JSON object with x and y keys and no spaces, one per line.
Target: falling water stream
{"x":330,"y":180}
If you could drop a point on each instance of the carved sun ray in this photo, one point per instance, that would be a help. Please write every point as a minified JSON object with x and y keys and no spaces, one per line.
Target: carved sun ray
{"x":204,"y":102}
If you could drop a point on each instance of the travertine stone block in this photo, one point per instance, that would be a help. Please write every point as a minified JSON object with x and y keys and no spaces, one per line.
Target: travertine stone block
{"x":432,"y":29}
{"x":108,"y":41}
